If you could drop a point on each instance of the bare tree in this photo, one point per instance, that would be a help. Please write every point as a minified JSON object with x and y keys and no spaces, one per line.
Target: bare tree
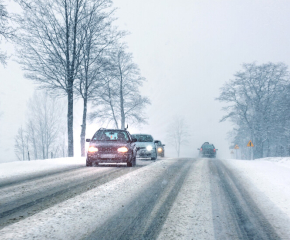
{"x":20,"y":144}
{"x":129,"y":80}
{"x":255,"y":106}
{"x":106,"y":104}
{"x":51,"y":42}
{"x":121,"y":98}
{"x":44,"y":131}
{"x":99,"y":36}
{"x":178,"y":133}
{"x":6,"y":30}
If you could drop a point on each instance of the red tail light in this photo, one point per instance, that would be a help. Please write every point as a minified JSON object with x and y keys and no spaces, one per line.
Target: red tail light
{"x":214,"y":149}
{"x":200,"y":149}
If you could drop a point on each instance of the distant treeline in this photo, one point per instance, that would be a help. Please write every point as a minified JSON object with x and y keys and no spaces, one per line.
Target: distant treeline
{"x":257,"y":103}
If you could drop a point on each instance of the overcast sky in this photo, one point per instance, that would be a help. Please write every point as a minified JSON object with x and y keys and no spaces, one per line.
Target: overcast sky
{"x":186,"y":50}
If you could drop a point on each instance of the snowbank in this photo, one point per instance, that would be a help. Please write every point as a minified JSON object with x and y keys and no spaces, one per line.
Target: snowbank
{"x":282,"y":161}
{"x":27,"y":168}
{"x":269,"y":179}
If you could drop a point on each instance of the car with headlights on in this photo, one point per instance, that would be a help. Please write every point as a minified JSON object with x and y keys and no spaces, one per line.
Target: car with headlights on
{"x":111,"y":146}
{"x":146,"y":146}
{"x":160,"y":148}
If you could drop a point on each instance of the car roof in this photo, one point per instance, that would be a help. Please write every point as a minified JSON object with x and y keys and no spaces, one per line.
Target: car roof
{"x":109,"y":129}
{"x":141,"y":134}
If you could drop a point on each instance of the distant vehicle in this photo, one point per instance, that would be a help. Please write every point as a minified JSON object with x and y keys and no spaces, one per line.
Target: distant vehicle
{"x":111,"y":146}
{"x":207,"y":150}
{"x":146,"y":146}
{"x":160,"y":148}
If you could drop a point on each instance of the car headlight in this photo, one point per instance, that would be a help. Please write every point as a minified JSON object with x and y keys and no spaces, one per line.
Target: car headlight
{"x":93,"y":149}
{"x":159,"y":149}
{"x":122,"y":149}
{"x":149,"y":148}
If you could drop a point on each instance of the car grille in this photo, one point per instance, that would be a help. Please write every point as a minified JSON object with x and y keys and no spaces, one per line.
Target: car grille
{"x":108,"y":149}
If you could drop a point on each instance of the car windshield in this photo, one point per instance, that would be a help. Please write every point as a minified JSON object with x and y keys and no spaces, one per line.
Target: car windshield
{"x":110,"y":135}
{"x":143,"y":138}
{"x":208,"y":146}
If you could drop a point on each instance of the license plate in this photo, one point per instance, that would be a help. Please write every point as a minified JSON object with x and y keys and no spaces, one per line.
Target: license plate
{"x":107,"y":155}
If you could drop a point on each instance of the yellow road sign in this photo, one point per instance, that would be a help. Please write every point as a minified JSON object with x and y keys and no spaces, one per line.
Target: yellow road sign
{"x":236,"y":147}
{"x":250,"y":144}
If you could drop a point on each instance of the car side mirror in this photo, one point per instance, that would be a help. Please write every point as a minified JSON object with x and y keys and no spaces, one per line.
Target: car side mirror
{"x":88,"y":140}
{"x":198,"y":149}
{"x":216,"y":149}
{"x":163,"y":145}
{"x":134,"y":139}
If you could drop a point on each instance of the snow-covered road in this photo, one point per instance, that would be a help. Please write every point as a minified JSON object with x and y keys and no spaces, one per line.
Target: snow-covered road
{"x":166,"y":199}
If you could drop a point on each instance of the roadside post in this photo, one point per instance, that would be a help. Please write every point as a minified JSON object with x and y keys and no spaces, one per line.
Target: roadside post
{"x":232,"y":153}
{"x":236,"y":147}
{"x":251,"y":145}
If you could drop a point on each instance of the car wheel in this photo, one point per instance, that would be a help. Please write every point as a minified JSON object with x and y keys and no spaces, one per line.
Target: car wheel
{"x":88,"y":163}
{"x":154,"y":158}
{"x":134,"y":162}
{"x":129,"y":164}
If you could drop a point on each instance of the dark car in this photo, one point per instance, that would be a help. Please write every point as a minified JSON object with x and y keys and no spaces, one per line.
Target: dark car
{"x":111,"y":146}
{"x":207,"y":150}
{"x":160,"y":148}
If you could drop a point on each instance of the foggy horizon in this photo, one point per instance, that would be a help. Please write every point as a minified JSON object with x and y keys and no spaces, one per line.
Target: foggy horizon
{"x":186,"y":51}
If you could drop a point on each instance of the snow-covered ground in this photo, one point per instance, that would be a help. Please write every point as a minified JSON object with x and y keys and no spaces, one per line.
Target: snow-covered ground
{"x":9,"y":170}
{"x":78,"y":216}
{"x":267,"y":180}
{"x":18,"y":169}
{"x":282,"y":161}
{"x":271,"y":176}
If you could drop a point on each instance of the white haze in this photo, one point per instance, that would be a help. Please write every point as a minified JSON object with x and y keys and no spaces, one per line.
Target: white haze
{"x":186,"y":50}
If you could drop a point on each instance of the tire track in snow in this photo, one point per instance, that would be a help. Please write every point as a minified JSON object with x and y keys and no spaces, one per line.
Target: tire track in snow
{"x":145,"y":215}
{"x":36,"y":176}
{"x":21,"y":208}
{"x":235,"y":213}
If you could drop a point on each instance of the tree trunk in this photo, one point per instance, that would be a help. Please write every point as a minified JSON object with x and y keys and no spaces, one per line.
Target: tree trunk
{"x":268,"y":148}
{"x":33,"y":140}
{"x":115,"y":120}
{"x":258,"y":148}
{"x":112,"y":108}
{"x":122,"y":105}
{"x":70,"y":136}
{"x":83,"y":132}
{"x":34,"y":148}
